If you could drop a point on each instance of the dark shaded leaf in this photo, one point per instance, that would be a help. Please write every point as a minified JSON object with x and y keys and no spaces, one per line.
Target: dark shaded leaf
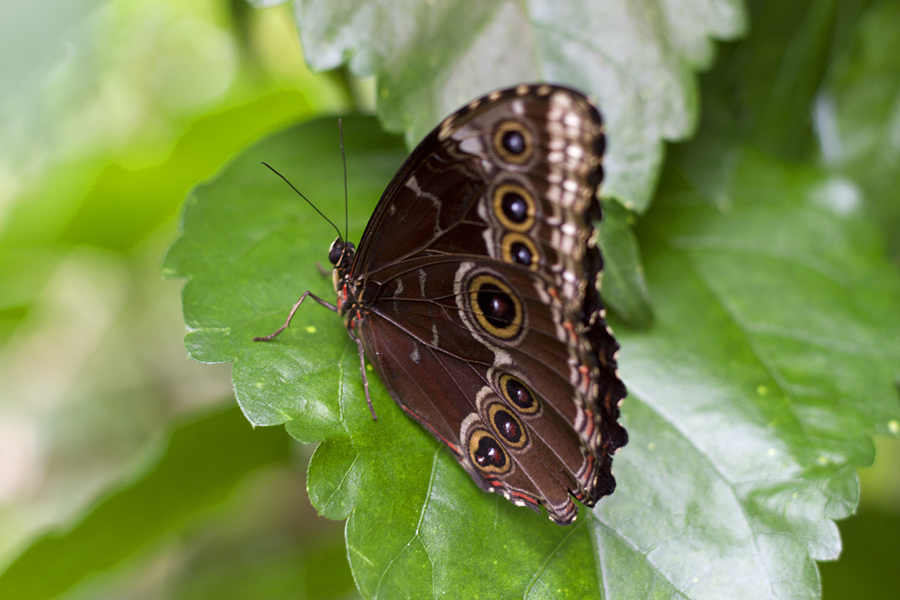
{"x":624,"y":286}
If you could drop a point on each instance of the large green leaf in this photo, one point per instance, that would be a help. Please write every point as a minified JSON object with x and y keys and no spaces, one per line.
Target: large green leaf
{"x":430,"y":57}
{"x":774,"y":352}
{"x":751,"y":397}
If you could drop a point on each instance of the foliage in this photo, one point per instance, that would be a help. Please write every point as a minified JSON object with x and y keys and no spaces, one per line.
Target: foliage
{"x":749,"y":282}
{"x":765,"y":277}
{"x":185,"y":481}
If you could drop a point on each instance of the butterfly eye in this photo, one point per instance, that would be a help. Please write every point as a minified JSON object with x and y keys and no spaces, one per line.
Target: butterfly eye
{"x":334,"y":254}
{"x":513,"y":142}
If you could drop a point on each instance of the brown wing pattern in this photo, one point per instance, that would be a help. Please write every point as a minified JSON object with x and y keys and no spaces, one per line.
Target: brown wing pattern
{"x":474,"y":292}
{"x":428,"y":337}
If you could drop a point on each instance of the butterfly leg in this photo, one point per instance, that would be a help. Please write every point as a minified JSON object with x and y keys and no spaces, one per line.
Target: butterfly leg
{"x":272,"y":335}
{"x":362,"y":370}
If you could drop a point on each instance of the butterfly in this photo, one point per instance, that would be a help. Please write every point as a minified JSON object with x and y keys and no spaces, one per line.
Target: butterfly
{"x":474,"y":294}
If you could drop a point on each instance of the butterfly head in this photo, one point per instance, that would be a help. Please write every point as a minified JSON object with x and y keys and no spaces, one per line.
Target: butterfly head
{"x":341,"y":254}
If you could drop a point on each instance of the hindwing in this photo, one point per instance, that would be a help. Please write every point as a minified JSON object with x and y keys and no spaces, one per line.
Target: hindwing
{"x":474,"y":294}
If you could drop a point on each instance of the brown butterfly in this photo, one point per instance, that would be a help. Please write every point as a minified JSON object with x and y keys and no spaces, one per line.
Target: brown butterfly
{"x":474,"y":294}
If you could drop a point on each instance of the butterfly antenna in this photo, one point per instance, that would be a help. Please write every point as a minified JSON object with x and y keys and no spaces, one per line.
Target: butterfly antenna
{"x":308,"y":201}
{"x":344,"y":159}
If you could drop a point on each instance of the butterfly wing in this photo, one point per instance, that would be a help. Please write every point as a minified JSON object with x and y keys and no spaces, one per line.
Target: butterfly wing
{"x":475,"y":296}
{"x":429,"y":201}
{"x":522,"y":407}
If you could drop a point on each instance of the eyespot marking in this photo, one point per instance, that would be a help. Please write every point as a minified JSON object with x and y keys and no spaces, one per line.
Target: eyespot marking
{"x":520,"y":249}
{"x":487,"y":454}
{"x":518,"y":394}
{"x":507,"y":425}
{"x":513,"y":142}
{"x":514,"y":207}
{"x":496,"y":307}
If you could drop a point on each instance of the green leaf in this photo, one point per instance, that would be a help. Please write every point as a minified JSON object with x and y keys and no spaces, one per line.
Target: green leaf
{"x":431,"y":57}
{"x":858,"y":115}
{"x":287,"y":559}
{"x":769,"y":80}
{"x":250,"y":248}
{"x":624,"y":286}
{"x":751,"y":397}
{"x":203,"y":462}
{"x":773,"y":354}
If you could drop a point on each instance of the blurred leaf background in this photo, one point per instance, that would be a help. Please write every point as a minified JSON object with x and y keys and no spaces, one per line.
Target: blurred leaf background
{"x":110,"y":112}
